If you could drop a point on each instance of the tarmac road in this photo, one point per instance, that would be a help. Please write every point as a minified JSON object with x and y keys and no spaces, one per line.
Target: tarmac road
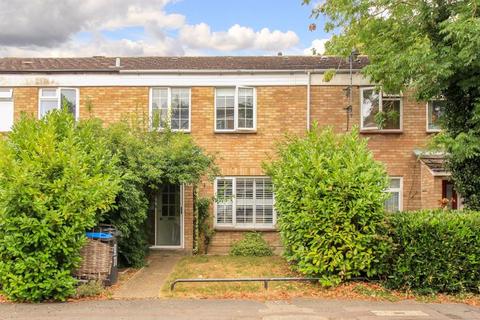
{"x":297,"y":309}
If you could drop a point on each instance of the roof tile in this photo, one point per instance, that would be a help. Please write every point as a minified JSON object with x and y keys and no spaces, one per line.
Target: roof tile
{"x":107,"y":64}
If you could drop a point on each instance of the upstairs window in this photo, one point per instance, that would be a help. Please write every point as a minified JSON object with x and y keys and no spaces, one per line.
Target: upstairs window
{"x":170,"y":107}
{"x":435,"y":109}
{"x":380,"y":111}
{"x":395,"y":190}
{"x":6,"y":109}
{"x":235,"y":109}
{"x":57,"y":98}
{"x":244,"y":202}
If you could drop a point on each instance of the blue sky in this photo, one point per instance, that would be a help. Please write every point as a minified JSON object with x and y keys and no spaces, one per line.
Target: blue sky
{"x":273,"y":14}
{"x":157,"y":27}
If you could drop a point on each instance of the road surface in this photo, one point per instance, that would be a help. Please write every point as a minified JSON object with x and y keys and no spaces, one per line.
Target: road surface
{"x":297,"y":309}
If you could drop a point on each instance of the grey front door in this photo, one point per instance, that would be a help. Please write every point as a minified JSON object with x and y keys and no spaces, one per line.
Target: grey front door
{"x":168,"y":216}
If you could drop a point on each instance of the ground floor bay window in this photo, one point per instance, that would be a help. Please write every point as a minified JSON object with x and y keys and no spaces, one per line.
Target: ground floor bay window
{"x":244,"y":202}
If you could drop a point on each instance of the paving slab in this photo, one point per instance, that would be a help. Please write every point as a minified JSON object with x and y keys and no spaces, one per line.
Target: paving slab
{"x":147,"y":283}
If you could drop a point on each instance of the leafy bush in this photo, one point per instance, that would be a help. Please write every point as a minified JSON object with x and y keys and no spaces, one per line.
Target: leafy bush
{"x":56,"y":179}
{"x":329,"y":198}
{"x":436,"y":251}
{"x":89,"y":289}
{"x":252,"y":244}
{"x":203,"y":228}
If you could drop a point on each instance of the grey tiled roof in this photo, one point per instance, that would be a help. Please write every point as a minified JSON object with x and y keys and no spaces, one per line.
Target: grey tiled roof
{"x":107,"y":64}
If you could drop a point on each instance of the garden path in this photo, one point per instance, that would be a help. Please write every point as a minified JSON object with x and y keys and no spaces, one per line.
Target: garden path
{"x":148,"y":281}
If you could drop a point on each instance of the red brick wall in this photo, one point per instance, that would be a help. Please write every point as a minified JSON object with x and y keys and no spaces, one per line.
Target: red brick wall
{"x":223,"y":240}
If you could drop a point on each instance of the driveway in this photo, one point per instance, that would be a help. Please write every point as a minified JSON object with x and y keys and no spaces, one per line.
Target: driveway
{"x":297,"y":309}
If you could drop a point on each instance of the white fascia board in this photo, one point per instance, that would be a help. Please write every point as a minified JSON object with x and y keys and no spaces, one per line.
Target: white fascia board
{"x":340,"y":79}
{"x":183,"y":80}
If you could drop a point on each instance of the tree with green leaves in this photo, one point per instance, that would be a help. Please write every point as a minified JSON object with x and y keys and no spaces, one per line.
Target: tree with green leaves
{"x":429,"y":47}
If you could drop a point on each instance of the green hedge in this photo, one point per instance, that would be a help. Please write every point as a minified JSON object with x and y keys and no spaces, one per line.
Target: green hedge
{"x":329,"y":199}
{"x":435,"y":251}
{"x":56,"y":179}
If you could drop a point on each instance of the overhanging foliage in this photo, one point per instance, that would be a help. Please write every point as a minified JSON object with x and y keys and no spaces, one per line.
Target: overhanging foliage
{"x":429,"y":47}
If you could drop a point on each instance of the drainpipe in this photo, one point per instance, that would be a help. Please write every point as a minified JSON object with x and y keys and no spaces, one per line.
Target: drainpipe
{"x":309,"y":80}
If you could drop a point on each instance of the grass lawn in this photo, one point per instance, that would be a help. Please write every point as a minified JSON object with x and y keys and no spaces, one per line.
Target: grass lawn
{"x":199,"y":267}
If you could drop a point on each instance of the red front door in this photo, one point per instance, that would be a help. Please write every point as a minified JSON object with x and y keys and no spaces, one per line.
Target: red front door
{"x":449,"y":193}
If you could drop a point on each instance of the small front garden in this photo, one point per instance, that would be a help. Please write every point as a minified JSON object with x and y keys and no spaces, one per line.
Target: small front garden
{"x":60,"y":178}
{"x":203,"y":267}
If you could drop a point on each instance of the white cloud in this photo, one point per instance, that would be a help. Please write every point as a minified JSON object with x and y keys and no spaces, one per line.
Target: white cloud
{"x":100,"y":46}
{"x":318,"y":45}
{"x":50,"y":22}
{"x":200,"y":36}
{"x":52,"y":28}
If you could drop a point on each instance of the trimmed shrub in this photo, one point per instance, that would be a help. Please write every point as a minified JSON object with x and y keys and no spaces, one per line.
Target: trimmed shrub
{"x":56,"y":180}
{"x":435,"y":251}
{"x":329,"y":199}
{"x":252,"y":245}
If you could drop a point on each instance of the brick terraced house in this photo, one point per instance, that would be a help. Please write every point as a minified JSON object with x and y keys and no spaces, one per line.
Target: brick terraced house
{"x":236,"y":108}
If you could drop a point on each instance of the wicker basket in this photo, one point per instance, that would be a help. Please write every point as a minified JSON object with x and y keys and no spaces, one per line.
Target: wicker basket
{"x":96,"y":261}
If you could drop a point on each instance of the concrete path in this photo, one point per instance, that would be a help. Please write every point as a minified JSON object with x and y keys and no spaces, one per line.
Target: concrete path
{"x":149,"y":280}
{"x":297,"y":309}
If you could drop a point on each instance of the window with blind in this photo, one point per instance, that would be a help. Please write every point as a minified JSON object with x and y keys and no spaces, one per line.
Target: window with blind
{"x":244,"y":202}
{"x":170,"y":108}
{"x":395,"y":191}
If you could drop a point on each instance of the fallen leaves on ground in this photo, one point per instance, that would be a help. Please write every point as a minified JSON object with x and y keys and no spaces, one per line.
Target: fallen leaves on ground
{"x":204,"y":267}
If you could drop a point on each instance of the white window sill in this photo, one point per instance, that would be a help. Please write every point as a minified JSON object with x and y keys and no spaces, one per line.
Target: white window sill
{"x":434,"y":130}
{"x":377,"y":131}
{"x":245,"y":228}
{"x":236,"y":131}
{"x":172,"y":130}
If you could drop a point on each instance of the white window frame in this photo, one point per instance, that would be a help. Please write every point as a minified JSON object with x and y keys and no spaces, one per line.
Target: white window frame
{"x":382,"y":95}
{"x":235,"y":120}
{"x":399,"y":190}
{"x":244,"y":226}
{"x":58,"y":96}
{"x":6,"y":95}
{"x":169,"y":106}
{"x":426,"y":113}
